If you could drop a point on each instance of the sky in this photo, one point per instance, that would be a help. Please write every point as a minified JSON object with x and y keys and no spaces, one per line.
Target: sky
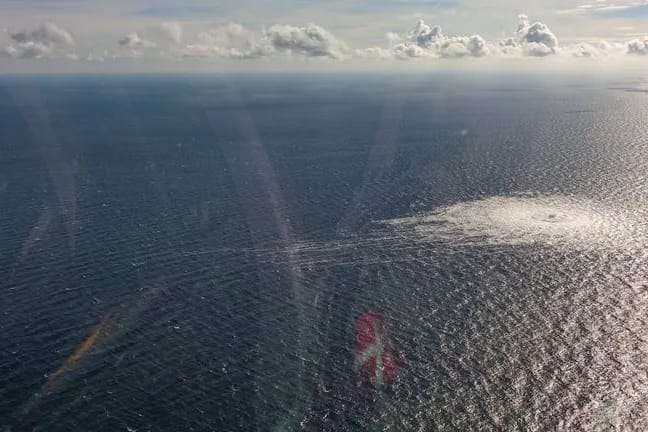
{"x":44,"y":35}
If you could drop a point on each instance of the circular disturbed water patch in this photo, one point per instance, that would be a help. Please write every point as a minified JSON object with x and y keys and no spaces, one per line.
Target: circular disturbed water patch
{"x":522,"y":219}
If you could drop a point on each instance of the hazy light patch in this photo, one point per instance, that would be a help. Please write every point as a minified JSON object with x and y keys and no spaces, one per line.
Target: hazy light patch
{"x":365,"y":7}
{"x":572,"y":11}
{"x":178,"y":11}
{"x":603,"y":9}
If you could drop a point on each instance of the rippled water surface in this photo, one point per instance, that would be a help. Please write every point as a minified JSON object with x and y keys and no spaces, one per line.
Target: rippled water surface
{"x":191,"y":253}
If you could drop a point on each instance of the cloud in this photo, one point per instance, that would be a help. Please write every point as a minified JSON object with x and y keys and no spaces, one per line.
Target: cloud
{"x":393,"y":38}
{"x":164,"y":36}
{"x":228,"y":41}
{"x":373,"y":53}
{"x":169,"y":30}
{"x":474,"y":46}
{"x":637,"y":47}
{"x":424,"y":36}
{"x":48,"y":34}
{"x":48,"y":40}
{"x":405,"y":50}
{"x":530,"y":39}
{"x":134,"y":41}
{"x":536,"y":49}
{"x":429,"y":41}
{"x":310,"y":41}
{"x":596,"y":49}
{"x":96,"y":58}
{"x":536,"y":39}
{"x":235,"y":41}
{"x":28,"y":50}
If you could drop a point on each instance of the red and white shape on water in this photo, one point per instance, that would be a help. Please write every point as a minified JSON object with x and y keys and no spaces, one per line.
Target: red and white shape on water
{"x":375,"y":359}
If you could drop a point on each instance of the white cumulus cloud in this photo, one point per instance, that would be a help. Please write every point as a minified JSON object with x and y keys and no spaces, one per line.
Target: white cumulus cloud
{"x":536,"y":39}
{"x":235,"y":41}
{"x":27,"y":50}
{"x":463,"y":46}
{"x":47,"y":40}
{"x":433,"y":40}
{"x":310,"y":41}
{"x":424,"y":36}
{"x":638,"y":47}
{"x":530,"y":39}
{"x":429,"y":41}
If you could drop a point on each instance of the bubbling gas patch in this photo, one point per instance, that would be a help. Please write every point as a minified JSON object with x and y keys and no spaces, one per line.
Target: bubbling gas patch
{"x":521,"y":219}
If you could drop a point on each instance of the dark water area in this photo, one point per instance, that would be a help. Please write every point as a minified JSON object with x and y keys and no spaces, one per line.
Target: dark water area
{"x":190,"y":253}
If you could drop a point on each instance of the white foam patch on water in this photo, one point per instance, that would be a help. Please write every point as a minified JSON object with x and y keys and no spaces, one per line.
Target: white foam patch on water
{"x":522,"y":219}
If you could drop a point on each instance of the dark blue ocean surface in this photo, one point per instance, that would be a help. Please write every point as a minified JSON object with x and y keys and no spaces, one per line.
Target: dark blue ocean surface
{"x":190,"y":253}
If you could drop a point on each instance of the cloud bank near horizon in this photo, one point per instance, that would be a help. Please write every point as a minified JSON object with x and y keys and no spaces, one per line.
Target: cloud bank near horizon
{"x":233,"y":41}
